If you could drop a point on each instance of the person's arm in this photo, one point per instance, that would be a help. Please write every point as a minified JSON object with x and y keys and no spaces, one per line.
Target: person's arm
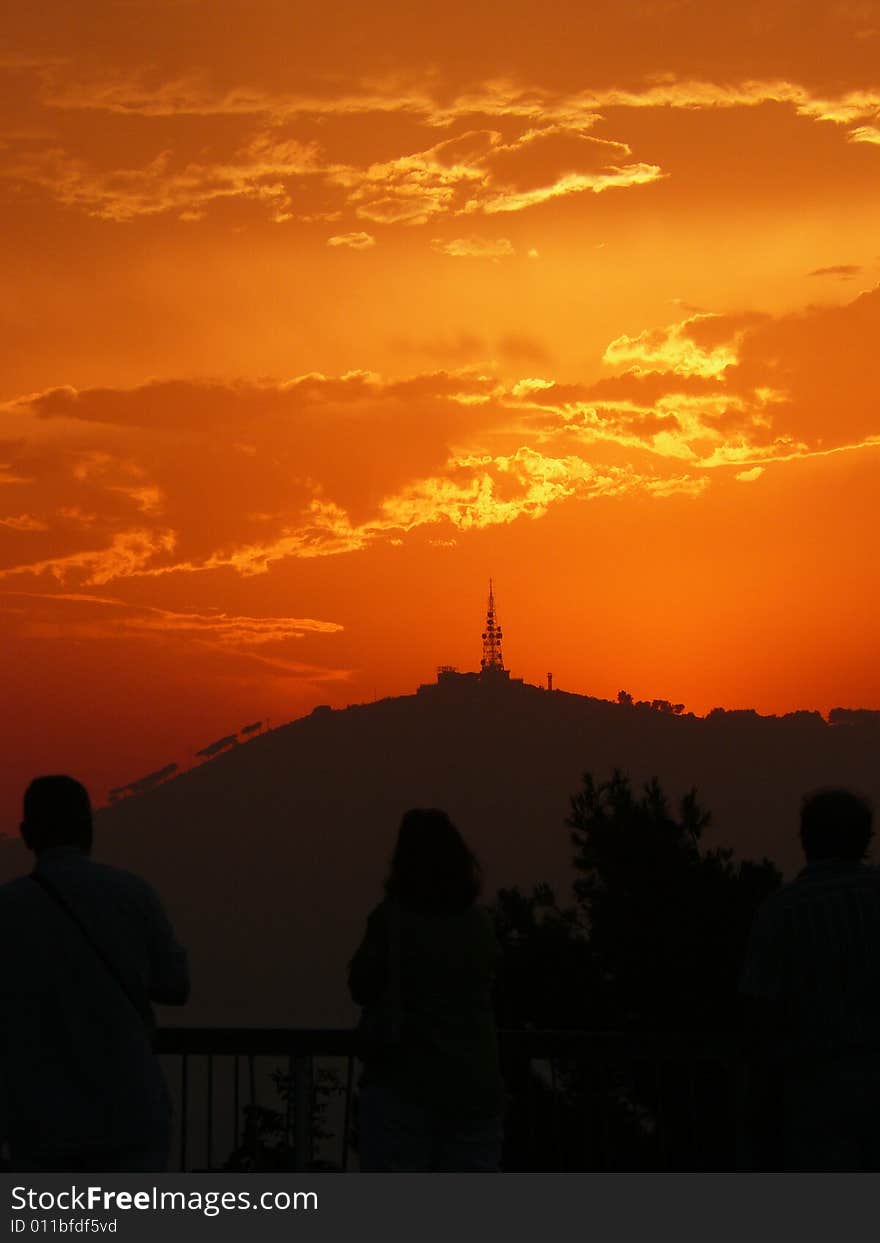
{"x":761,"y":1029}
{"x":761,"y":1025}
{"x":763,"y":982}
{"x":368,"y":969}
{"x":169,"y":969}
{"x":4,"y":1089}
{"x":494,"y":952}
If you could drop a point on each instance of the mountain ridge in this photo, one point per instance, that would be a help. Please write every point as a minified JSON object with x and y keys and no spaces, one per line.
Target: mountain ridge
{"x":270,"y":855}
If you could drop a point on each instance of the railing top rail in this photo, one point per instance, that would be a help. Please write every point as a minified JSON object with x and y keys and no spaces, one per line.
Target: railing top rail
{"x":259,"y":1041}
{"x":343,"y":1041}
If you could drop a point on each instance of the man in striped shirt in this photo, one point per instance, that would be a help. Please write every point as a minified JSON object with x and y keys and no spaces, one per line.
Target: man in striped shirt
{"x":812,"y":976}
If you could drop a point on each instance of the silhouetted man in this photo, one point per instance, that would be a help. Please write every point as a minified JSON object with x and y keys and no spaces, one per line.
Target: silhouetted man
{"x":813,"y":976}
{"x":86,"y":948}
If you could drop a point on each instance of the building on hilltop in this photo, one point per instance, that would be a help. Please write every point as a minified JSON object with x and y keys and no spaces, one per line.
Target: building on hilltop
{"x":453,"y":684}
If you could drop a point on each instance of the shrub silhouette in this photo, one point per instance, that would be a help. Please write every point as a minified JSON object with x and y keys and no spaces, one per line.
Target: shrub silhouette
{"x":652,"y":942}
{"x":656,"y":936}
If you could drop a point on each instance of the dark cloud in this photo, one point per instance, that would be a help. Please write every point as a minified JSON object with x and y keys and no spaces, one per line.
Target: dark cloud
{"x":107,"y":483}
{"x":846,"y":271}
{"x":520,"y":348}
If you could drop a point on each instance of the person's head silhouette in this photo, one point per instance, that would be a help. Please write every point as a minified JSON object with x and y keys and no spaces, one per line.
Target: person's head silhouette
{"x":432,"y":868}
{"x":835,"y":824}
{"x":57,"y":812}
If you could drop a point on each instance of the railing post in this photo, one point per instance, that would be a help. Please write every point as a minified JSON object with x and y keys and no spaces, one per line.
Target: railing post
{"x":554,"y":1114}
{"x":677,"y":1105}
{"x":346,"y":1119}
{"x":209,"y":1121}
{"x":303,"y":1093}
{"x":290,"y":1105}
{"x":743,"y":1158}
{"x":184,"y":1108}
{"x":236,"y":1104}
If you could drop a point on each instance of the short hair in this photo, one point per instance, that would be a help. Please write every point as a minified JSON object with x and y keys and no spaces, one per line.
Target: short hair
{"x":835,"y":824}
{"x":57,"y":812}
{"x":432,"y":869}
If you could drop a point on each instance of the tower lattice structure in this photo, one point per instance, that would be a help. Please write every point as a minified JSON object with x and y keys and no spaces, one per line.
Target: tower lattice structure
{"x":492,"y":636}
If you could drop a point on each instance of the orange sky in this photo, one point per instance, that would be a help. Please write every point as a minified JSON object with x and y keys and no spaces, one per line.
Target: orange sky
{"x":312,"y":320}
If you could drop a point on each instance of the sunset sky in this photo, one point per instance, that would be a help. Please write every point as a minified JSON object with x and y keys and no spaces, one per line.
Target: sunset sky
{"x":315,"y":316}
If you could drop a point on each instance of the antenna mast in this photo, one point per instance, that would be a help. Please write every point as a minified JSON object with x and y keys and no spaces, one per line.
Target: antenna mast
{"x":492,"y":636}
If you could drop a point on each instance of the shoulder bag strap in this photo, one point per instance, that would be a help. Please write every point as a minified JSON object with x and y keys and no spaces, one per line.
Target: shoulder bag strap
{"x":394,"y":991}
{"x":109,"y":966}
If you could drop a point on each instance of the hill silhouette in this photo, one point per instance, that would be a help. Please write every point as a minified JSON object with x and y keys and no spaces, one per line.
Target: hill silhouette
{"x":270,"y":856}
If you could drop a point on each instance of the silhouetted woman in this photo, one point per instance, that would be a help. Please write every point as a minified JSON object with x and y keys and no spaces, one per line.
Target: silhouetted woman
{"x":431,"y":1092}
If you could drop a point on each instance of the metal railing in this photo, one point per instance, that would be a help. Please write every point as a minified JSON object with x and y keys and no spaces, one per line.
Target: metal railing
{"x":285,"y":1098}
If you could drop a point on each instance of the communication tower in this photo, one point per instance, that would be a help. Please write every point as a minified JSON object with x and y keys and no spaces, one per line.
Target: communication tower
{"x":492,"y":636}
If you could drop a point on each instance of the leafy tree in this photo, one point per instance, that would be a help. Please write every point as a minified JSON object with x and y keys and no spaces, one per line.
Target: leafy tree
{"x":653,"y":940}
{"x":854,"y":716}
{"x":657,"y":932}
{"x":266,"y":1140}
{"x":547,"y":975}
{"x":625,"y":699}
{"x":667,"y":921}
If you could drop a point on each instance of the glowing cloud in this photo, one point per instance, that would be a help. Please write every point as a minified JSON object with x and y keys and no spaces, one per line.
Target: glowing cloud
{"x":571,"y":183}
{"x":671,"y":349}
{"x":127,"y":553}
{"x":474,"y":247}
{"x":24,"y":522}
{"x":353,"y":241}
